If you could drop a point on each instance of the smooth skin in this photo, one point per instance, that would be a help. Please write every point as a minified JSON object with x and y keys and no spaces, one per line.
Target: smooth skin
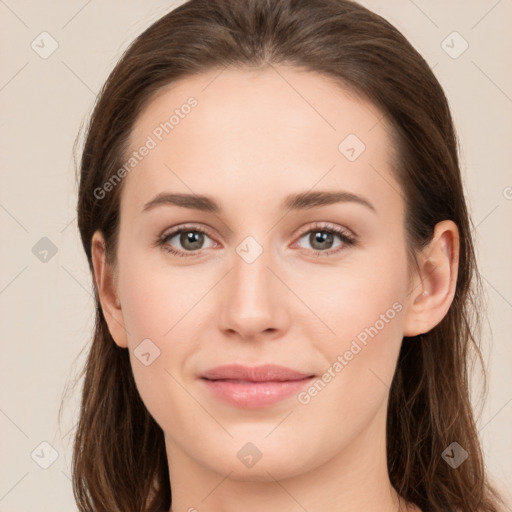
{"x":255,"y":137}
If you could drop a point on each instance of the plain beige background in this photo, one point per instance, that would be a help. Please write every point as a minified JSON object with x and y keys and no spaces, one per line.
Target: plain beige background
{"x":47,"y":307}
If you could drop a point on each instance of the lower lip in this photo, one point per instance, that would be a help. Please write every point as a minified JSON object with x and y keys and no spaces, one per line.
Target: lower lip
{"x":253,"y":395}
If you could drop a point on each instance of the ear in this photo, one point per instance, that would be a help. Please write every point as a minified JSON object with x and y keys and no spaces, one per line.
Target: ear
{"x":434,"y":283}
{"x":106,"y":287}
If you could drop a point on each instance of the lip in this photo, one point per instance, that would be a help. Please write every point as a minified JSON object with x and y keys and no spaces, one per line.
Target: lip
{"x":254,"y":387}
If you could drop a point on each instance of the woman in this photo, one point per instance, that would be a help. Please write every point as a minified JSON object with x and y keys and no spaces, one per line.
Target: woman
{"x":261,"y":372}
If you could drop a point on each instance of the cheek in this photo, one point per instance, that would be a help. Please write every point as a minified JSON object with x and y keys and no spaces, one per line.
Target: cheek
{"x":157,"y":298}
{"x":165,"y":319}
{"x":361,"y":357}
{"x":363,"y":310}
{"x":353,"y":300}
{"x":159,"y":344}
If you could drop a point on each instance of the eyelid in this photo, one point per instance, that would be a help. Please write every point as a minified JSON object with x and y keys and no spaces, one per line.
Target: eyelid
{"x":319,"y":225}
{"x":187,"y":226}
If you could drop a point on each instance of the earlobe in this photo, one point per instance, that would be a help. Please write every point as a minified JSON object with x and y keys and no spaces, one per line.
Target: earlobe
{"x":106,"y":290}
{"x":434,"y":287}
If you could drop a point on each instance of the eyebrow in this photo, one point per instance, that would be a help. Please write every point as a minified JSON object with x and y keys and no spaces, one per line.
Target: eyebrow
{"x":297,"y":201}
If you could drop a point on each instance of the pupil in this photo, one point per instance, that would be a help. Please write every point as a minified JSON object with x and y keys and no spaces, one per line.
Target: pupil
{"x":321,"y":237}
{"x":192,"y":237}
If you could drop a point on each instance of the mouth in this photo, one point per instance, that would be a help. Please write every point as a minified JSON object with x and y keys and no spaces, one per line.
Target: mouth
{"x":254,"y":387}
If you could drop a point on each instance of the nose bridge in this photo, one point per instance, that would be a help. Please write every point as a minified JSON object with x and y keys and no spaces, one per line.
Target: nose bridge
{"x":252,"y":302}
{"x":251,"y":276}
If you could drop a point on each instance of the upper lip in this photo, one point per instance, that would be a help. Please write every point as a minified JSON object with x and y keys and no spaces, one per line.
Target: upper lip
{"x":262,"y":373}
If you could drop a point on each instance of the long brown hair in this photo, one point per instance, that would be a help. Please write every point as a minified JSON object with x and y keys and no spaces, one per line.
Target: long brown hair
{"x":119,"y":458}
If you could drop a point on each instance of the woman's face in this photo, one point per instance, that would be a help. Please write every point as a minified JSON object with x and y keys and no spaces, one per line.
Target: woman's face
{"x":270,"y":281}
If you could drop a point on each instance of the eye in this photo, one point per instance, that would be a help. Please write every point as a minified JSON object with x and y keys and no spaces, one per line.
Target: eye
{"x":190,"y":238}
{"x":321,"y":238}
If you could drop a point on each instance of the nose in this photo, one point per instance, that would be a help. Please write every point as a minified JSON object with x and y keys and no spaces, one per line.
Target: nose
{"x":253,"y":301}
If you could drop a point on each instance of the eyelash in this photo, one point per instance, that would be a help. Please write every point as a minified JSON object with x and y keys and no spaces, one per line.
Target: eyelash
{"x":347,"y":240}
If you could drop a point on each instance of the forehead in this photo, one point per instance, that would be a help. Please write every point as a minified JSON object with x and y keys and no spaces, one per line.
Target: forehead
{"x":253,"y":134}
